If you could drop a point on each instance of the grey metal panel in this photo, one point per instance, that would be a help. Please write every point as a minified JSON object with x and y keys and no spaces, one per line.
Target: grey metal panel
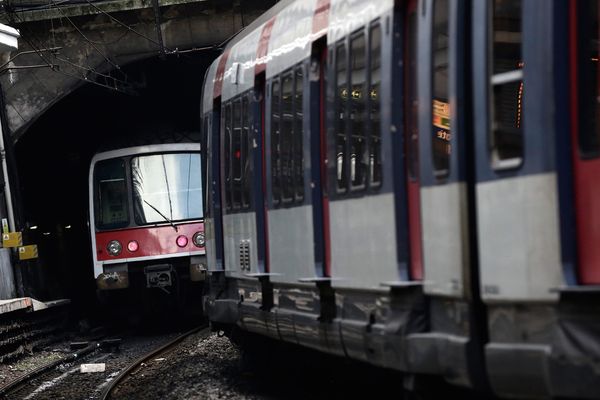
{"x":236,"y":228}
{"x":445,"y":239}
{"x":363,"y":242}
{"x":345,"y":16}
{"x":238,"y":76}
{"x":291,"y":36}
{"x":291,"y":244}
{"x":519,"y":239}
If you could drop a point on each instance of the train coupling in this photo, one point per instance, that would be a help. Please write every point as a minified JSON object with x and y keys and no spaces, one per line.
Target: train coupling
{"x":198,"y":269}
{"x":159,"y":276}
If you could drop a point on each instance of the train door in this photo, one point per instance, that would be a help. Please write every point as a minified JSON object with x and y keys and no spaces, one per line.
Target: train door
{"x":318,"y":152}
{"x":214,"y":194}
{"x":585,"y":136}
{"x":447,"y":199}
{"x":517,"y":196}
{"x":411,"y":140}
{"x":258,"y":161}
{"x":214,"y":169}
{"x":442,"y":151}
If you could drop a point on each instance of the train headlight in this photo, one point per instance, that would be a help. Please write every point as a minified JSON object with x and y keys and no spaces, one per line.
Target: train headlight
{"x":198,"y":239}
{"x":114,"y":248}
{"x":181,"y":241}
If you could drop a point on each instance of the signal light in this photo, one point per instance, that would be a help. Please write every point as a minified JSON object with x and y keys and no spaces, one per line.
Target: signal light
{"x":181,"y":241}
{"x":133,"y":246}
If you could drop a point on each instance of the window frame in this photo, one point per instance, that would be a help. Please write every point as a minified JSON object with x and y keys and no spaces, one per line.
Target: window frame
{"x":441,"y":174}
{"x":493,"y":81}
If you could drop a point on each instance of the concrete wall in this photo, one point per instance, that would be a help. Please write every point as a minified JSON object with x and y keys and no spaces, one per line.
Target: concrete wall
{"x":7,"y":279}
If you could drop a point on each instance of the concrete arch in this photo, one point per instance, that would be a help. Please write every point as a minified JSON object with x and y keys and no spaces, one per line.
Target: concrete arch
{"x":96,"y":39}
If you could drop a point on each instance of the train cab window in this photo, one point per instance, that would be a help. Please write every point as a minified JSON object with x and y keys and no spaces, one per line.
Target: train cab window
{"x":286,"y":136}
{"x":587,"y":74}
{"x":298,"y":144}
{"x":374,"y":106}
{"x":236,"y":155}
{"x":227,"y":154}
{"x":358,"y":86}
{"x":441,"y":134}
{"x":341,"y":99}
{"x":244,"y":150}
{"x":506,"y":82}
{"x":111,"y":194}
{"x":275,"y":135}
{"x":166,"y":187}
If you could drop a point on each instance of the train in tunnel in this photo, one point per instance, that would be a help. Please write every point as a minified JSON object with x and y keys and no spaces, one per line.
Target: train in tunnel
{"x":411,"y":184}
{"x":146,"y":224}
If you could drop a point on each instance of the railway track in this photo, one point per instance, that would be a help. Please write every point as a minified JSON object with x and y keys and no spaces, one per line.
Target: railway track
{"x":127,"y":372}
{"x":15,"y":385}
{"x":22,"y":332}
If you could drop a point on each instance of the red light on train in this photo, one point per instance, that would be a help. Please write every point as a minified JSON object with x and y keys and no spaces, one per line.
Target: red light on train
{"x":133,"y":246}
{"x":181,"y":241}
{"x":238,"y":154}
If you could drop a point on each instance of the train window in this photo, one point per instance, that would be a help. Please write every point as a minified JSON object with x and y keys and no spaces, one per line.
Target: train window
{"x":275,"y":159}
{"x":166,"y":187}
{"x":341,"y":99}
{"x":111,"y":194}
{"x":374,"y":106}
{"x":298,"y":136}
{"x":588,"y":69}
{"x":507,"y":85}
{"x":244,"y":150}
{"x":227,"y":155}
{"x":358,"y":85}
{"x":441,"y":146}
{"x":286,"y":151}
{"x":412,"y":101}
{"x":236,"y":154}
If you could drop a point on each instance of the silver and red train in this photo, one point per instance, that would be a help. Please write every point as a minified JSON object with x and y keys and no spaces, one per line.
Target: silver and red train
{"x":413,"y":184}
{"x":146,"y":219}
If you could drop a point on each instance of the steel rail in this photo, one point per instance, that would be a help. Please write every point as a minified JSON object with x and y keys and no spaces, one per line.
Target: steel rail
{"x":108,"y":390}
{"x":11,"y":386}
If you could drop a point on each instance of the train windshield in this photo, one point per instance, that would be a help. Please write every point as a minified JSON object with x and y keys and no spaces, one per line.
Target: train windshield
{"x":166,"y":187}
{"x":111,"y":192}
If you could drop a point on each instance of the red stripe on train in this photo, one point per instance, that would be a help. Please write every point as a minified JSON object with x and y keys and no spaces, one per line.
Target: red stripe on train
{"x":321,"y":19}
{"x":218,"y":84}
{"x":152,"y":240}
{"x":263,"y":47}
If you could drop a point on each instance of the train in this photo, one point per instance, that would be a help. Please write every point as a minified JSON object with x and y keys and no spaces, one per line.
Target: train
{"x":147,"y":225}
{"x":411,"y":184}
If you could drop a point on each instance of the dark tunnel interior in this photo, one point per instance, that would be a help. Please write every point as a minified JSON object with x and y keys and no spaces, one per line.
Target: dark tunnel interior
{"x":53,"y":159}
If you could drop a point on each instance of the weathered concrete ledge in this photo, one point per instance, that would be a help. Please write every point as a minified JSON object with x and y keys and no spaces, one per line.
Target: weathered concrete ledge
{"x":29,"y":304}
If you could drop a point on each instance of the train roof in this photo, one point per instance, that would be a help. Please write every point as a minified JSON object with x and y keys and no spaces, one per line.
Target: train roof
{"x":147,"y":149}
{"x":289,"y":42}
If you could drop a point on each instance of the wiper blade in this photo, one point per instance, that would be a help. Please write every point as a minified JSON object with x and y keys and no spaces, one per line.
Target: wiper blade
{"x":162,"y":215}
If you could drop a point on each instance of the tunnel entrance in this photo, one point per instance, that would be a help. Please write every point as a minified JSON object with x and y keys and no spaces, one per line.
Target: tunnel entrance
{"x":53,"y":159}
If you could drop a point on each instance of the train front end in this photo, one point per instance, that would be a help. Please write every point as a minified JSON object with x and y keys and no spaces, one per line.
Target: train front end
{"x":146,"y":220}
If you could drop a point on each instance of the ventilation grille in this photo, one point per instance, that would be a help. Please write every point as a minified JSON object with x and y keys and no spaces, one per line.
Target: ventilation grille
{"x":245,"y":255}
